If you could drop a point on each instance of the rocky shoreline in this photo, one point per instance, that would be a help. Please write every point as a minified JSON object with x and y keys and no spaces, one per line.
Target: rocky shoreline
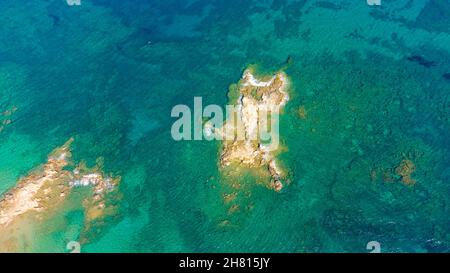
{"x":45,"y":190}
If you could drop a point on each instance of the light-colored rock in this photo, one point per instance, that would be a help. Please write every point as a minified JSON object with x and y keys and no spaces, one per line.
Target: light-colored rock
{"x":256,"y":98}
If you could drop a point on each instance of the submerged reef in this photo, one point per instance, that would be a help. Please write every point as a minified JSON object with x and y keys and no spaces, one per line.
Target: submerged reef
{"x":243,"y":144}
{"x":5,"y":117}
{"x":46,"y":190}
{"x":422,"y":61}
{"x":405,"y":169}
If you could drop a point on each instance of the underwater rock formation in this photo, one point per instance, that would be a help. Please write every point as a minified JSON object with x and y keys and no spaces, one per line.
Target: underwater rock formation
{"x":5,"y":117}
{"x":45,"y":190}
{"x":405,"y":169}
{"x":422,"y":61}
{"x":446,"y":76}
{"x":302,"y":113}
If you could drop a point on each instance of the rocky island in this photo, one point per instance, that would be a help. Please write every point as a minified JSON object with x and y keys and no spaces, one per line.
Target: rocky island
{"x":258,"y":103}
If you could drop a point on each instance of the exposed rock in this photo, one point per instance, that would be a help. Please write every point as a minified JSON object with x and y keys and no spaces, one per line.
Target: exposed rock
{"x":44,"y":191}
{"x":242,"y":142}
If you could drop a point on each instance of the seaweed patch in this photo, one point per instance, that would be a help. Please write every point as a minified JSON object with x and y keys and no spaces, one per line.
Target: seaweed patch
{"x":422,"y":61}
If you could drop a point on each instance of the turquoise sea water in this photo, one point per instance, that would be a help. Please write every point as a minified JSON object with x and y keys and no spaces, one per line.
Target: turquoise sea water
{"x":374,"y":82}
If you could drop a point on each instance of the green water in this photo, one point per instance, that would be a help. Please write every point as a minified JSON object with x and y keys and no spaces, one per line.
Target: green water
{"x":90,"y":72}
